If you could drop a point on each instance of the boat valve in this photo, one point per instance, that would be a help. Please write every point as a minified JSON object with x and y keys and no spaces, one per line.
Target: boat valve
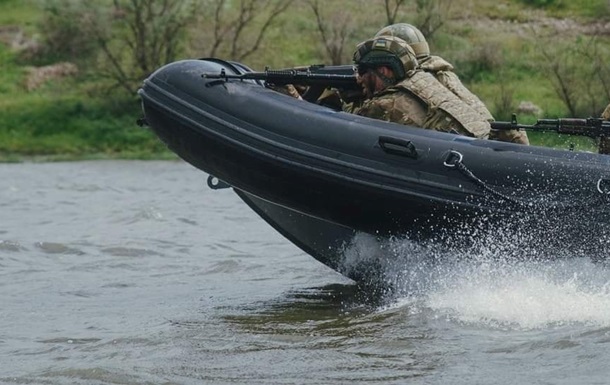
{"x":216,"y":184}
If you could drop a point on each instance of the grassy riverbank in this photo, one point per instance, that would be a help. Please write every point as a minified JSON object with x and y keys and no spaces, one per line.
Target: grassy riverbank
{"x":64,"y":118}
{"x":61,"y":120}
{"x":80,"y":116}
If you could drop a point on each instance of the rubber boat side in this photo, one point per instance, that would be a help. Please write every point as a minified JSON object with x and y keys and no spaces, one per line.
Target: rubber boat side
{"x":367,"y":175}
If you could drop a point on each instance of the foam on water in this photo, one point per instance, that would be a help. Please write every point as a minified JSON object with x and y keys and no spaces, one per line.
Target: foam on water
{"x":524,"y":295}
{"x":489,"y":287}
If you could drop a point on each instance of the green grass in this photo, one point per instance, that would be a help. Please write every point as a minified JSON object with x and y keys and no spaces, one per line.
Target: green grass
{"x":24,"y":13}
{"x":581,"y":8}
{"x":74,"y":127}
{"x":521,"y":10}
{"x":59,"y":120}
{"x":72,"y":118}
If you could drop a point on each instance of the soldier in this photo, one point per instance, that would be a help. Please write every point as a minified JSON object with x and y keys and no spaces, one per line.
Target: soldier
{"x":443,"y":72}
{"x":604,"y":143}
{"x":397,"y":90}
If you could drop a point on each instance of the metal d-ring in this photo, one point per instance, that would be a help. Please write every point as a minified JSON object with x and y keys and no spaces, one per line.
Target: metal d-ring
{"x":599,"y":186}
{"x":453,"y":155}
{"x":456,"y":162}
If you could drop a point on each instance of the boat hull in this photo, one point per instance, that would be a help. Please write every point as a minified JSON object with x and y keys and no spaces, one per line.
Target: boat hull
{"x":371,"y":176}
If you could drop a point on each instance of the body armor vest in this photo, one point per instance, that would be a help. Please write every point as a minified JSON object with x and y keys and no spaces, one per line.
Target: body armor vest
{"x":443,"y":72}
{"x":425,"y":87}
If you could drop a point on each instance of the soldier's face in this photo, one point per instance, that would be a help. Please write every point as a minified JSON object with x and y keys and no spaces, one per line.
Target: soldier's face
{"x":369,"y":82}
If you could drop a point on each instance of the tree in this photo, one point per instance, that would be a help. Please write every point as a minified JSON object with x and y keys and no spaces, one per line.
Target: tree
{"x":428,"y":15}
{"x":431,"y":15}
{"x":65,"y":34}
{"x":579,"y":76}
{"x":132,"y":38}
{"x":236,"y":32}
{"x":391,"y":9}
{"x":138,"y":36}
{"x":596,"y":56}
{"x":121,"y":40}
{"x":335,"y":28}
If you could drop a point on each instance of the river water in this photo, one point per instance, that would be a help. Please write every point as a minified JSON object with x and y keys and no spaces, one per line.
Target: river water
{"x":129,"y":272}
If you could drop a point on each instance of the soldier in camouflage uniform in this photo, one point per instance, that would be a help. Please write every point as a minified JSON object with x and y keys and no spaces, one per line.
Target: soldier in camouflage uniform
{"x":443,"y":72}
{"x":397,"y":90}
{"x":604,"y":143}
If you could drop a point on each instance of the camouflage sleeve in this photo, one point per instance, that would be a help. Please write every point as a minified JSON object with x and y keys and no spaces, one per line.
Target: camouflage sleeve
{"x":348,"y":107}
{"x":513,"y":136}
{"x":435,"y":63}
{"x":397,"y":107}
{"x":376,"y":108}
{"x":606,"y":113}
{"x":352,"y":107}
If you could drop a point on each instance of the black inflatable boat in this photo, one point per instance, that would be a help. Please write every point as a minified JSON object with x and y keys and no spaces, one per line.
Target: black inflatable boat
{"x":320,"y":176}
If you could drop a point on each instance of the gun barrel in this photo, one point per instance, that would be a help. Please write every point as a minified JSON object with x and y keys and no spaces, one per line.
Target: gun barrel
{"x":563,"y":122}
{"x":293,"y":76}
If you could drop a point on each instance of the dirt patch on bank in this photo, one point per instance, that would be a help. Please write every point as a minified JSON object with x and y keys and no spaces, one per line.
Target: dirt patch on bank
{"x":39,"y":75}
{"x":14,"y":37}
{"x":539,"y":25}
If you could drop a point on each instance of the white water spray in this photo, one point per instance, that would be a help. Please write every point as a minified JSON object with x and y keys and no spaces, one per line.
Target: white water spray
{"x":489,"y":288}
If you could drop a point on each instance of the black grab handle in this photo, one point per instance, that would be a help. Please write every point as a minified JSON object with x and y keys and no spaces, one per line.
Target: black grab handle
{"x":398,"y":146}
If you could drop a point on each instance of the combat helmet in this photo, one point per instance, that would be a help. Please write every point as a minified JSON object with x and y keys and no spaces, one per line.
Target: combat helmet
{"x":388,"y":51}
{"x":410,"y":34}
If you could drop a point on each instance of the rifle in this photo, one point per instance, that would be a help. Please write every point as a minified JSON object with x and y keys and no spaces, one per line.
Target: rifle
{"x":591,"y":127}
{"x":316,"y":77}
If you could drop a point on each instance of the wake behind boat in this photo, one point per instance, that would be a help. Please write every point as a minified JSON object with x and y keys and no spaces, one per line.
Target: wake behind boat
{"x":319,"y":176}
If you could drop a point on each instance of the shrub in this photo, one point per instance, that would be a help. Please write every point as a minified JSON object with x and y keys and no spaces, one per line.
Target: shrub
{"x":65,"y":33}
{"x":543,"y":3}
{"x":483,"y":59}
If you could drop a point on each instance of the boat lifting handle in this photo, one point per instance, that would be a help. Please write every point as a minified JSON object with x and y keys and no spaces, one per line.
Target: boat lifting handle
{"x":398,"y":146}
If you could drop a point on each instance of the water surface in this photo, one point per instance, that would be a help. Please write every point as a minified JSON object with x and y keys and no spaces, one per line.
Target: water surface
{"x":127,"y":272}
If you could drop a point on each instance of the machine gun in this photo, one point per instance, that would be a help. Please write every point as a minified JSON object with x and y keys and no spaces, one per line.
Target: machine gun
{"x":316,"y":78}
{"x":591,"y":127}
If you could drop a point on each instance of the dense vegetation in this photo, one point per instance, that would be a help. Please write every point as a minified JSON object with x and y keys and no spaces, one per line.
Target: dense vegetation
{"x":539,"y":58}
